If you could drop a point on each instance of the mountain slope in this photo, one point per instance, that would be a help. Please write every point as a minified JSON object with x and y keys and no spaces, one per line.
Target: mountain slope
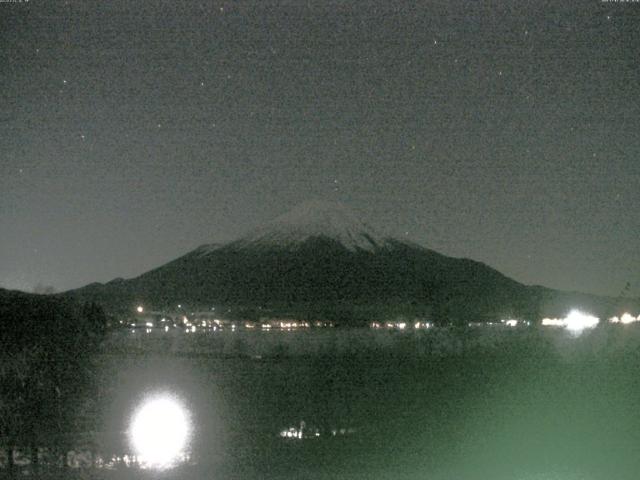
{"x":320,"y":259}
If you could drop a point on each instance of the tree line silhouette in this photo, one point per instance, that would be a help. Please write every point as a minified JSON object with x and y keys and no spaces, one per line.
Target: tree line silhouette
{"x":48,"y":344}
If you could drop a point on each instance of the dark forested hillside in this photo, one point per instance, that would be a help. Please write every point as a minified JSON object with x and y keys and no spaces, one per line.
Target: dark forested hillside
{"x":48,"y":345}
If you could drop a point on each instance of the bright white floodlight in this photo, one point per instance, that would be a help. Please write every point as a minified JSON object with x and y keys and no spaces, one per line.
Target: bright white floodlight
{"x":159,"y":432}
{"x":577,"y":321}
{"x":627,"y":318}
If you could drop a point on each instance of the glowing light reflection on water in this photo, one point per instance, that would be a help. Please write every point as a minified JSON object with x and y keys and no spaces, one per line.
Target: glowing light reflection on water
{"x":160,"y":431}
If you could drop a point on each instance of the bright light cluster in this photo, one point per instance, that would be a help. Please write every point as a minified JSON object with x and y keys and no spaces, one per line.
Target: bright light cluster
{"x":553,"y":322}
{"x":401,"y":325}
{"x":625,"y":319}
{"x":291,"y":433}
{"x":159,"y":432}
{"x":575,"y":322}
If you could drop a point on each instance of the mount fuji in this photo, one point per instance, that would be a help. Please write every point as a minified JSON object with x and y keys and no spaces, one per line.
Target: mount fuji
{"x":321,"y":261}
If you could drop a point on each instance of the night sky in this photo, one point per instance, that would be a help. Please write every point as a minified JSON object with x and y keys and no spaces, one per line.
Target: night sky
{"x":508,"y":132}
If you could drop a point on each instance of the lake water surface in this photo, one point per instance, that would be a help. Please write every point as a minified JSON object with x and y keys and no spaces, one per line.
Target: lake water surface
{"x":348,"y":404}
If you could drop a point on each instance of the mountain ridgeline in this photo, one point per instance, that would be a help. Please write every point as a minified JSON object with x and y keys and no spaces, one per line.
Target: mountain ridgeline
{"x":320,"y":261}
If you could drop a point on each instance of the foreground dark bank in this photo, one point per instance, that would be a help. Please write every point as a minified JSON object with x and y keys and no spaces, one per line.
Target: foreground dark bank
{"x":480,"y":403}
{"x":47,"y":369}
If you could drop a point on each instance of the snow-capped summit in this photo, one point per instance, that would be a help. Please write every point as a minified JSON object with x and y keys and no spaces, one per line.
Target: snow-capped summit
{"x":316,"y":219}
